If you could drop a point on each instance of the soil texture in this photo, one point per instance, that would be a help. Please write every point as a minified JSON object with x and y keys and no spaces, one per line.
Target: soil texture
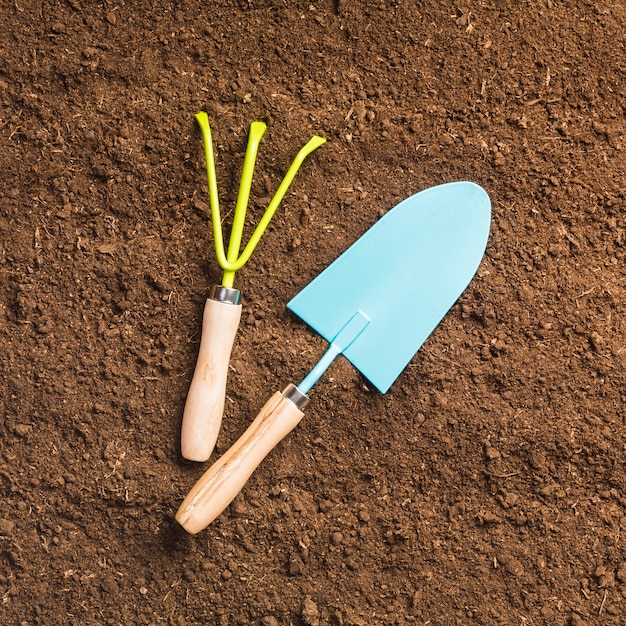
{"x":486,"y":487}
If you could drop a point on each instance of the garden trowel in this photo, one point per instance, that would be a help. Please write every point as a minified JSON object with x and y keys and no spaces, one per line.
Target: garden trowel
{"x":376,"y":304}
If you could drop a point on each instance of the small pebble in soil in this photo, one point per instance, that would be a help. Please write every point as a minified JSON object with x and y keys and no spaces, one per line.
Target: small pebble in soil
{"x":296,"y":566}
{"x":325,"y":506}
{"x":310,"y":613}
{"x":492,"y":453}
{"x":6,"y":527}
{"x":305,"y":216}
{"x":597,"y":342}
{"x":21,"y":430}
{"x":576,"y":620}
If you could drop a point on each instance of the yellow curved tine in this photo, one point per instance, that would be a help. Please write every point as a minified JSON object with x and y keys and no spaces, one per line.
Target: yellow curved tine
{"x":231,"y":263}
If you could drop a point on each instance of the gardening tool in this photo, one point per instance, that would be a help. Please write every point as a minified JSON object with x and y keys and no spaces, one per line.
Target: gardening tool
{"x":204,"y":406}
{"x":376,"y":304}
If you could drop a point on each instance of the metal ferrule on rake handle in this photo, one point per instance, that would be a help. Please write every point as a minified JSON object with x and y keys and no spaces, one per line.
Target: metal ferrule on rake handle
{"x":225,"y":294}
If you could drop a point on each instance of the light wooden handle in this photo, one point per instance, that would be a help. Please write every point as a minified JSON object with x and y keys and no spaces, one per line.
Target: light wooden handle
{"x":219,"y":485}
{"x":204,"y":407}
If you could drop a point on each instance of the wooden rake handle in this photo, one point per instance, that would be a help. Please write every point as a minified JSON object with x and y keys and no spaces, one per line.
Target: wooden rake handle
{"x":204,"y":406}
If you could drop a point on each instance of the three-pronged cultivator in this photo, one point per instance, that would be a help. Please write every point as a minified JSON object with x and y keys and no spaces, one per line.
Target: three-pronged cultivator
{"x":204,"y":407}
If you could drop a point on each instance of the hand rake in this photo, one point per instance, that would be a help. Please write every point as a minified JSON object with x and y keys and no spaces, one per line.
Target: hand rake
{"x":204,"y":406}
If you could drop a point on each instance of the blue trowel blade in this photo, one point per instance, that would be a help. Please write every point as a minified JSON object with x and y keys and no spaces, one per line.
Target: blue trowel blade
{"x":404,"y":274}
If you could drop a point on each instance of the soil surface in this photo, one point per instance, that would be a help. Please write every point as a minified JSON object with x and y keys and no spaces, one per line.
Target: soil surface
{"x":486,"y":487}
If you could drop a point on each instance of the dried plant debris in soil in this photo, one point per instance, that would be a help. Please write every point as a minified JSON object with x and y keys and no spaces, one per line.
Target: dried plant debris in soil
{"x":487,"y":487}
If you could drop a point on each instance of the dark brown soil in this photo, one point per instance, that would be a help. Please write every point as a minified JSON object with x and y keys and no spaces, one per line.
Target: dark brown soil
{"x":486,"y":487}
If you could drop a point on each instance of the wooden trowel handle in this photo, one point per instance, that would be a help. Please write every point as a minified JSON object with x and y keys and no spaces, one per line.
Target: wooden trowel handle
{"x":219,"y":485}
{"x":204,"y":407}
